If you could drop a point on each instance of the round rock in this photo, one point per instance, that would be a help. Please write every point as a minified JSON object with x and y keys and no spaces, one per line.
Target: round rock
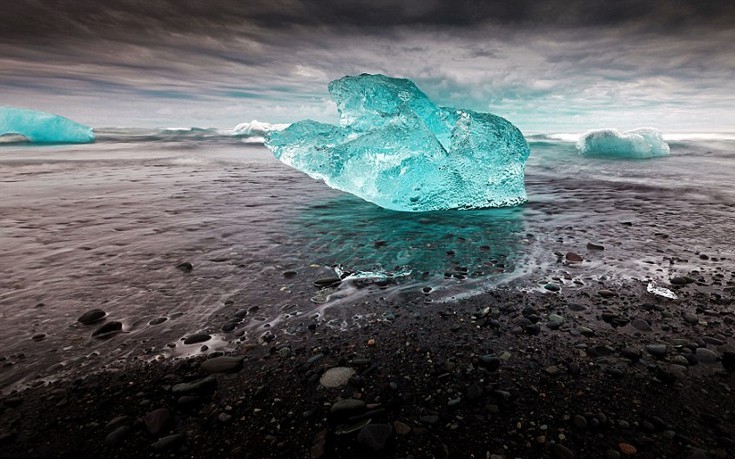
{"x":336,"y":377}
{"x":704,"y":355}
{"x":197,"y":338}
{"x":92,"y":316}
{"x":222,"y":364}
{"x":108,"y":329}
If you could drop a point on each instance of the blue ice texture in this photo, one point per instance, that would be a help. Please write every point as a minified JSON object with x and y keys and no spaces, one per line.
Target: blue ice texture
{"x":396,"y":148}
{"x":639,"y":143}
{"x":22,"y":125}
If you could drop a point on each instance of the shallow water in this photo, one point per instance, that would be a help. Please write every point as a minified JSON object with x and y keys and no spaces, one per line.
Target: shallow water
{"x":105,"y":225}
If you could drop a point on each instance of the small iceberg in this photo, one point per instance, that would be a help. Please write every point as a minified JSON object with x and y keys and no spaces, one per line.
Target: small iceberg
{"x":636,"y":144}
{"x":22,"y":125}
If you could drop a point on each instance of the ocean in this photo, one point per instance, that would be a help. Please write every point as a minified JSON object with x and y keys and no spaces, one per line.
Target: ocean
{"x":105,"y":225}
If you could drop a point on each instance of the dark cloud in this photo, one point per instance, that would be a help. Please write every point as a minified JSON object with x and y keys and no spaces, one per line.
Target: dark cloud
{"x":54,"y":19}
{"x":221,"y":62}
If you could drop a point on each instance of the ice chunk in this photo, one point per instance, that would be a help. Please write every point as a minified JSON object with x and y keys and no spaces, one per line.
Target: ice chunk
{"x":42,"y":127}
{"x":399,"y":150}
{"x":660,"y":291}
{"x":638,"y":143}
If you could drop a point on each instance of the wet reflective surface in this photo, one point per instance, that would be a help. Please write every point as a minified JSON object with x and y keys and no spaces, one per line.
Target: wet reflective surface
{"x":106,"y":225}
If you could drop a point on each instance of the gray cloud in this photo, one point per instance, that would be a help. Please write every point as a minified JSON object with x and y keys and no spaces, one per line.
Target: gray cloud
{"x":544,"y":65}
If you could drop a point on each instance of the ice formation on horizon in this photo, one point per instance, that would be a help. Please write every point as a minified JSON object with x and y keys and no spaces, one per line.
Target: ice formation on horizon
{"x":637,"y":143}
{"x":399,"y":150}
{"x":40,"y":127}
{"x":255,"y":131}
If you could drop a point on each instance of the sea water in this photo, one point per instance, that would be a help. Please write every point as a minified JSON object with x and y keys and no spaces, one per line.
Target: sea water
{"x":104,"y":226}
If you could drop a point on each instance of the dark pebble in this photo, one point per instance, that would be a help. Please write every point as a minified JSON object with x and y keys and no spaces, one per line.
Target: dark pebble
{"x":375,"y":436}
{"x":641,"y":324}
{"x":157,"y":421}
{"x":157,"y":321}
{"x":490,"y":362}
{"x":289,"y":274}
{"x":117,"y":436}
{"x":593,"y":246}
{"x":39,"y":337}
{"x":108,"y":329}
{"x":197,"y":338}
{"x":552,"y":287}
{"x":199,"y":386}
{"x":327,"y":282}
{"x":657,"y":350}
{"x":185,"y":266}
{"x":169,"y":442}
{"x":223,"y":364}
{"x":92,"y":316}
{"x":607,"y":293}
{"x":573,"y":257}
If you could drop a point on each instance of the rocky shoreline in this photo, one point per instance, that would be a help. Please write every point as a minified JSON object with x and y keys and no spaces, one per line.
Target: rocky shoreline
{"x":601,"y":371}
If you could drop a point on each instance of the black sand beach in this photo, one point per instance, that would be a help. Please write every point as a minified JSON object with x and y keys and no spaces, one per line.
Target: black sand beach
{"x":605,"y":371}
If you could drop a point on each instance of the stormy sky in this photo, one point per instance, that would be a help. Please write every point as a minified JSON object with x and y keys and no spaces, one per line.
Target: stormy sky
{"x":548,"y":66}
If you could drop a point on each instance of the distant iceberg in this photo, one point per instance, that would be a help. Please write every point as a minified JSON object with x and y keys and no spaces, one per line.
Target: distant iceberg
{"x":22,"y":125}
{"x":255,"y":131}
{"x":638,"y":143}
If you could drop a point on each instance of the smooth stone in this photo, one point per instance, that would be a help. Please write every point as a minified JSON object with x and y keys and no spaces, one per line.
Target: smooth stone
{"x":605,"y":293}
{"x":346,"y":406}
{"x":200,"y":385}
{"x":157,"y":421}
{"x":574,"y":257}
{"x":222,"y":364}
{"x":680,"y":280}
{"x":107,"y":330}
{"x":327,"y":282}
{"x":657,"y":350}
{"x":580,"y":422}
{"x":691,"y":318}
{"x":92,"y":316}
{"x":185,"y":266}
{"x":593,"y":246}
{"x":401,"y":428}
{"x":585,"y":331}
{"x":552,"y":287}
{"x":560,"y":451}
{"x":168,"y":442}
{"x":117,"y":436}
{"x":631,"y":353}
{"x":289,"y":274}
{"x":641,"y":324}
{"x":375,"y":436}
{"x":704,"y":355}
{"x":157,"y":321}
{"x":38,"y":337}
{"x":491,"y":362}
{"x":197,"y":338}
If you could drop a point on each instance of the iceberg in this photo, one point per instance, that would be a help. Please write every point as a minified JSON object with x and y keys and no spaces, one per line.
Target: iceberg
{"x":638,"y":143}
{"x":397,"y":149}
{"x":41,"y":127}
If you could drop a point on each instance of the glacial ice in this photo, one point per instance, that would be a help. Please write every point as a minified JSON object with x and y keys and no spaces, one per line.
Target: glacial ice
{"x":638,"y":143}
{"x":41,"y":127}
{"x":396,"y":148}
